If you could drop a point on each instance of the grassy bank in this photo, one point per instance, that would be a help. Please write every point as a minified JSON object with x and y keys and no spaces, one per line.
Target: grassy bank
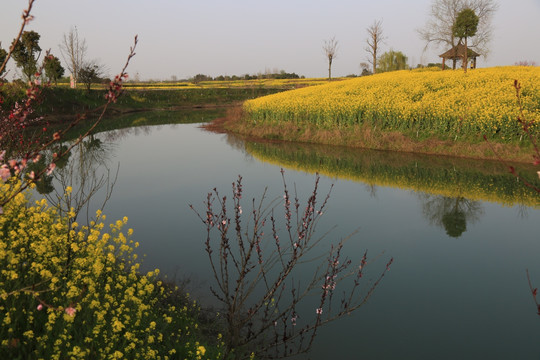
{"x":61,"y":101}
{"x":367,"y":136}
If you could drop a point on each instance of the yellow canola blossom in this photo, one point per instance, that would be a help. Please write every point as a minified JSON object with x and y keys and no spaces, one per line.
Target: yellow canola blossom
{"x":75,"y":292}
{"x":482,"y":101}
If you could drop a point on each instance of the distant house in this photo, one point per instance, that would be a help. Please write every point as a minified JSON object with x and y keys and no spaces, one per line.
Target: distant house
{"x":457,"y":53}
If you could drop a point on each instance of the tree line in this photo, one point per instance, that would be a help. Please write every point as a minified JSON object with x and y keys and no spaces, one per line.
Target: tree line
{"x":282,"y":74}
{"x":450,"y":23}
{"x":26,"y":52}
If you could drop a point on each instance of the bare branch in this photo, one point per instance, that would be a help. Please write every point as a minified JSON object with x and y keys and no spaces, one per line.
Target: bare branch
{"x":374,"y":40}
{"x":330,"y":50}
{"x":438,"y":29}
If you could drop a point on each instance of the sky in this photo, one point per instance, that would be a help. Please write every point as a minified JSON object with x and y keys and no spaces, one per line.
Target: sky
{"x":183,"y":38}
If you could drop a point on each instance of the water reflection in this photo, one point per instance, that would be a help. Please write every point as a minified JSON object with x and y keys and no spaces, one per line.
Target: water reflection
{"x":85,"y":169}
{"x":445,"y":177}
{"x":451,"y":214}
{"x":418,"y":309}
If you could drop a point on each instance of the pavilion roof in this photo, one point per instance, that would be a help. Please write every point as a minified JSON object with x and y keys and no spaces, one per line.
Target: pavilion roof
{"x":458,"y":51}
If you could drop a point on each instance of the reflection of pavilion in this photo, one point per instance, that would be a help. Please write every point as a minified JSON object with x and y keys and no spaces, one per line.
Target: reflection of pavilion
{"x":452,"y":214}
{"x":458,"y":53}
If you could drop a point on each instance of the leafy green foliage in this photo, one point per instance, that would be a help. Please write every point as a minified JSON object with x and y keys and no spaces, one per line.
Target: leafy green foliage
{"x":3,"y":55}
{"x":53,"y":68}
{"x":25,"y":51}
{"x":89,"y":74}
{"x":392,"y":61}
{"x":466,"y":24}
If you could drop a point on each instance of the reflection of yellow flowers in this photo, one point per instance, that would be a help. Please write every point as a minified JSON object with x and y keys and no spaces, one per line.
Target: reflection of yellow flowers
{"x":467,"y":179}
{"x":443,"y":102}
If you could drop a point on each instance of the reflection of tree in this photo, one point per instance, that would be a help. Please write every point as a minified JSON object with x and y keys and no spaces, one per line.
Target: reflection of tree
{"x":118,"y":134}
{"x":452,"y":214}
{"x":44,"y":184}
{"x":86,"y":173}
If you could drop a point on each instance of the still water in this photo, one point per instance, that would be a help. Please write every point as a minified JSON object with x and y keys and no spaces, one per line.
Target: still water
{"x":462,"y":235}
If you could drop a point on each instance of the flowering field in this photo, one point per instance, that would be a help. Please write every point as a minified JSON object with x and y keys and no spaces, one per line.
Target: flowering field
{"x":426,"y":102}
{"x":217,"y":84}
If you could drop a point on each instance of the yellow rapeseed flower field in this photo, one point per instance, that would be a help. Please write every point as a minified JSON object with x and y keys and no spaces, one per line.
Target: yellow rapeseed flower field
{"x":427,"y":101}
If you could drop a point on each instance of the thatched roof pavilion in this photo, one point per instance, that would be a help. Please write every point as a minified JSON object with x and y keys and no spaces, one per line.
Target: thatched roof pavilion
{"x":457,"y":53}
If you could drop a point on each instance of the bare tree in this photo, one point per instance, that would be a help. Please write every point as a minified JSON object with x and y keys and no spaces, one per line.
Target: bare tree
{"x":330,"y":50}
{"x":442,"y":16}
{"x":374,"y":40}
{"x":73,"y":52}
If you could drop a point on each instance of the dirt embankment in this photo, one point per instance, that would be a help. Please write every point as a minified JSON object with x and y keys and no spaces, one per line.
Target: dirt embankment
{"x":365,"y":136}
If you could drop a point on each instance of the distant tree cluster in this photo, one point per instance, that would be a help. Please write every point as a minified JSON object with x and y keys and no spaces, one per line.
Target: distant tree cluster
{"x":275,"y":75}
{"x":525,"y":63}
{"x":27,"y":53}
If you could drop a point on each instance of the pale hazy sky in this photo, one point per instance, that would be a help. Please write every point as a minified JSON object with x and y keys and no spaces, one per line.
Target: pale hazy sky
{"x":235,"y":37}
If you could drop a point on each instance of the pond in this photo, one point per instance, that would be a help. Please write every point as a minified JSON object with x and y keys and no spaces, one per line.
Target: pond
{"x":461,"y":233}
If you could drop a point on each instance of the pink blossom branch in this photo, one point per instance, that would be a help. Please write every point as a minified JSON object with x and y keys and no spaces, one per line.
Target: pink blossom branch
{"x":115,"y":90}
{"x":534,"y":292}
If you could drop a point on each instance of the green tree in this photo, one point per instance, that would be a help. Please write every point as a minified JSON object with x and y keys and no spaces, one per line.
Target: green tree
{"x":90,"y":73}
{"x":3,"y":56}
{"x":465,"y":26}
{"x":392,"y":61}
{"x":53,"y":68}
{"x":442,"y":15}
{"x":26,"y":53}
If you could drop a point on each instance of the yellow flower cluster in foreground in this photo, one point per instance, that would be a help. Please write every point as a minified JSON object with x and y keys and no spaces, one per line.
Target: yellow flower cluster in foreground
{"x":482,"y":101}
{"x":72,"y":292}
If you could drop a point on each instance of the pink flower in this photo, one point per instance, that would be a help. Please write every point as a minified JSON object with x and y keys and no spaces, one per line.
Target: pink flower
{"x":40,"y":307}
{"x":319,"y":311}
{"x":51,"y":168}
{"x":70,"y":311}
{"x":293,"y":320}
{"x":4,"y":172}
